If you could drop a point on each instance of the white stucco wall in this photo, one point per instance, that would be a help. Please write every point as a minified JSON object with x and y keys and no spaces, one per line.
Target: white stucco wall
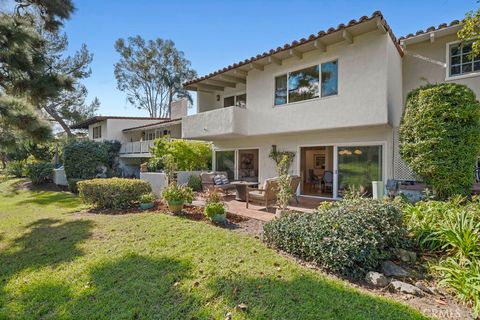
{"x":426,"y":62}
{"x":363,"y":73}
{"x":381,"y":135}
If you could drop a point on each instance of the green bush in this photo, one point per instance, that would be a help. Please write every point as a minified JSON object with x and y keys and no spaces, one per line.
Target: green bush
{"x":16,"y":168}
{"x":82,"y":158}
{"x":451,"y":229}
{"x":175,"y":193}
{"x":195,"y":182}
{"x":39,"y":172}
{"x":188,"y":155}
{"x":213,"y":209}
{"x":349,"y":237}
{"x":147,"y":198}
{"x":113,"y":193}
{"x":440,"y":137}
{"x":72,"y":184}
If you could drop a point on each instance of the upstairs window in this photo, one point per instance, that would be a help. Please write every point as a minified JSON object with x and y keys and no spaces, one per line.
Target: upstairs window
{"x":97,"y":132}
{"x":281,"y":90}
{"x":461,"y":60}
{"x":303,"y":84}
{"x":238,"y":101}
{"x":329,"y":79}
{"x":306,"y":84}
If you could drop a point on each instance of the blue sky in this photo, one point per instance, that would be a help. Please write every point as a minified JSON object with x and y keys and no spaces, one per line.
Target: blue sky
{"x":214,"y":34}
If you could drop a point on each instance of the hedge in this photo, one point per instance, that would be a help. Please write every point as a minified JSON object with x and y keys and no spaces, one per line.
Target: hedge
{"x":82,"y":158}
{"x":350,"y":237}
{"x":440,"y":137}
{"x":113,"y":193}
{"x":39,"y":172}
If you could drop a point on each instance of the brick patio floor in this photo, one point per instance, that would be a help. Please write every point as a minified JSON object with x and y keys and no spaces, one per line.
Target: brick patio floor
{"x":306,"y":204}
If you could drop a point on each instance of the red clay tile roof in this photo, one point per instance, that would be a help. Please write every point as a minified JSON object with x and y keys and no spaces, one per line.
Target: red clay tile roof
{"x":296,"y":43}
{"x":84,"y":124}
{"x":430,"y":29}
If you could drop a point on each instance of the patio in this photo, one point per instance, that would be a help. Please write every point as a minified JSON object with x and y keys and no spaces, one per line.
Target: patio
{"x":306,"y":204}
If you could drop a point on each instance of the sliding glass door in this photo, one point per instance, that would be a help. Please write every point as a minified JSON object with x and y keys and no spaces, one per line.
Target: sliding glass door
{"x":225,"y":161}
{"x":358,"y":166}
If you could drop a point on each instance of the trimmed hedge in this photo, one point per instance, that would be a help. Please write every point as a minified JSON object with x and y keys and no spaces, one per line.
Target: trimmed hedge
{"x":113,"y":193}
{"x":82,"y":158}
{"x":350,"y":237}
{"x":39,"y":172}
{"x":440,"y":137}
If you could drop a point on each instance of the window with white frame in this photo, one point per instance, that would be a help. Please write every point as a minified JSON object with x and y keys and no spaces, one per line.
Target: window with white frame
{"x":308,"y":83}
{"x":97,"y":132}
{"x":150,"y":135}
{"x":461,"y":59}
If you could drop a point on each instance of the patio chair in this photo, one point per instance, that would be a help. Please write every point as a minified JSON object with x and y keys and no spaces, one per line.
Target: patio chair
{"x":313,"y":179}
{"x":327,"y":181}
{"x":265,"y":195}
{"x":294,"y":182}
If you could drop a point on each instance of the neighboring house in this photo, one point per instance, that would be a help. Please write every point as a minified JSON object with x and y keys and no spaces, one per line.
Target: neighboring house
{"x":136,"y":134}
{"x":334,"y":98}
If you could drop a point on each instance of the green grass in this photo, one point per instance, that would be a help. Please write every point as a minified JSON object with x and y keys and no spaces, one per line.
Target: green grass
{"x":58,"y":265}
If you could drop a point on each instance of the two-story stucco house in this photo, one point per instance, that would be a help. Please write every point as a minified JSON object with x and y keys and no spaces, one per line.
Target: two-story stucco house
{"x":335,"y":99}
{"x":136,"y":134}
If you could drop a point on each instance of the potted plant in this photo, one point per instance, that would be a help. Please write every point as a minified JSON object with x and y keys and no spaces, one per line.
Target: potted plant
{"x":214,"y":207}
{"x":175,"y":196}
{"x":215,"y":211}
{"x":284,"y":192}
{"x":147,"y":201}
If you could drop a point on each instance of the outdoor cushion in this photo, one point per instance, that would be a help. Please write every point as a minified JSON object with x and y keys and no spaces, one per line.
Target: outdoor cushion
{"x":217,"y":180}
{"x":224,"y":179}
{"x":255,"y":194}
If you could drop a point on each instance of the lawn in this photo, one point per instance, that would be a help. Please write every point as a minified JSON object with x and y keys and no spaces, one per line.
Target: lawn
{"x":58,"y":264}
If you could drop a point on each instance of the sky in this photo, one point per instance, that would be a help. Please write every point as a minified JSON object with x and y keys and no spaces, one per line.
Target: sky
{"x":215,"y":34}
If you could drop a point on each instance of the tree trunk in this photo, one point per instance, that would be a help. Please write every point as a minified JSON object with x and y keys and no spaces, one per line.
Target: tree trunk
{"x":60,"y":121}
{"x":170,"y":100}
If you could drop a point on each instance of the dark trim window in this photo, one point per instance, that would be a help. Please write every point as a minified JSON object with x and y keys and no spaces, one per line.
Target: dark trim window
{"x":308,"y":83}
{"x":239,"y":101}
{"x":97,"y":132}
{"x":461,"y":60}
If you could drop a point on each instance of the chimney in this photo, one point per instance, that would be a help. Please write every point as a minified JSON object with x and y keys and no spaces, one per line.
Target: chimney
{"x":179,"y":109}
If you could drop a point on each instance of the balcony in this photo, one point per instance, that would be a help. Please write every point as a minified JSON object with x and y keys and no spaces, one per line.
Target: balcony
{"x":136,"y":149}
{"x":214,"y":124}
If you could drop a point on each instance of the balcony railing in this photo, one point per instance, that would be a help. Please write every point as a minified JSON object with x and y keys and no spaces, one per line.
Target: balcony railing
{"x":136,"y":147}
{"x":230,"y":121}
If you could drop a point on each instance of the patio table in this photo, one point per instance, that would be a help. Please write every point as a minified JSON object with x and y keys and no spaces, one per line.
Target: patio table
{"x":241,"y":187}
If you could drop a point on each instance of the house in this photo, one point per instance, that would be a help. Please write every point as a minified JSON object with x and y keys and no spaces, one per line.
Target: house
{"x":335,"y":99}
{"x":136,"y":134}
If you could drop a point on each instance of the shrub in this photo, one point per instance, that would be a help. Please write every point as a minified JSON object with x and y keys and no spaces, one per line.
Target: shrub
{"x":113,"y":193}
{"x":453,"y":229}
{"x":175,"y":193}
{"x":147,"y":198}
{"x":72,"y":184}
{"x":195,"y":182}
{"x":213,"y":209}
{"x":16,"y":168}
{"x":39,"y":172}
{"x":348,"y":237}
{"x":82,"y":158}
{"x":188,"y":155}
{"x":440,"y":137}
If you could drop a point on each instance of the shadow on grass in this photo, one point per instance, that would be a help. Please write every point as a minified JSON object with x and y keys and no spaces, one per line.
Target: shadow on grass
{"x":306,"y":297}
{"x":138,"y":287}
{"x":59,"y":199}
{"x":46,"y":242}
